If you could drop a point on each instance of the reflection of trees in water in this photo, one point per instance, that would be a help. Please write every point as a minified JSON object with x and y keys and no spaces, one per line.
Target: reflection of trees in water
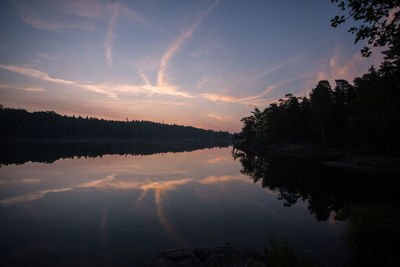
{"x":326,"y":190}
{"x":48,"y":151}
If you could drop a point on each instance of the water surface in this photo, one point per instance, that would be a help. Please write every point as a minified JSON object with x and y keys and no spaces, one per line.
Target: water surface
{"x":120,"y":209}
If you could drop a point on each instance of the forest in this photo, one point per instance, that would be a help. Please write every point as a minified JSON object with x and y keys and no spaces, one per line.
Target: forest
{"x":19,"y":123}
{"x":361,"y":116}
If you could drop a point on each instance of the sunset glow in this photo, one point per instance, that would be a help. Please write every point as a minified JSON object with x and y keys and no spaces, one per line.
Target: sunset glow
{"x":200,"y":63}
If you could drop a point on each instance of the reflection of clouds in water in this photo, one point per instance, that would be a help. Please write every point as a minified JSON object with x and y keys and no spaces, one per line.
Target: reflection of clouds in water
{"x":99,"y":182}
{"x":103,"y":232}
{"x":32,"y":196}
{"x":40,"y":194}
{"x":109,"y":182}
{"x":155,"y":173}
{"x":30,"y":180}
{"x":223,"y":179}
{"x":160,"y":188}
{"x":336,"y":225}
{"x":160,"y":185}
{"x":164,"y":219}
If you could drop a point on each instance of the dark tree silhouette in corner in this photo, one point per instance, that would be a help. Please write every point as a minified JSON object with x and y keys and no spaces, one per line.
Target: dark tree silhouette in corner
{"x":379,"y":26}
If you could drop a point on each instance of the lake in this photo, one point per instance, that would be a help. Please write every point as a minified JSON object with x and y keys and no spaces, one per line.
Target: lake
{"x":120,"y":208}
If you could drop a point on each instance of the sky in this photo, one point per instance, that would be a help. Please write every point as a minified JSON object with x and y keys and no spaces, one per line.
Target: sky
{"x":204,"y":63}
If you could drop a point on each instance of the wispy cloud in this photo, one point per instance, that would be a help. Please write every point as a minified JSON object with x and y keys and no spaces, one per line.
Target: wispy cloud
{"x":33,"y":89}
{"x":32,"y":14}
{"x":163,"y":89}
{"x":341,"y":67}
{"x":111,"y":25}
{"x":224,"y":98}
{"x":178,"y":42}
{"x":41,"y":14}
{"x":42,"y":25}
{"x":279,"y":66}
{"x":29,"y":89}
{"x":215,"y":160}
{"x":92,"y":9}
{"x":22,"y":181}
{"x":217,"y":117}
{"x":251,"y":100}
{"x":115,"y":9}
{"x":110,"y":89}
{"x":34,"y":74}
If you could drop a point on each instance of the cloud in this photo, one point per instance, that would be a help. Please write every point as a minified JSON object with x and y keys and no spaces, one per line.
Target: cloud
{"x":217,"y":117}
{"x":251,"y":100}
{"x":215,"y":160}
{"x":91,"y":9}
{"x":35,"y":14}
{"x":340,"y":66}
{"x":111,"y":25}
{"x":42,"y":25}
{"x":33,"y":89}
{"x":177,"y":43}
{"x":277,"y":67}
{"x":164,"y":88}
{"x":110,"y":89}
{"x":29,"y":89}
{"x":224,"y":98}
{"x":34,"y":74}
{"x":41,"y":14}
{"x":23,"y":181}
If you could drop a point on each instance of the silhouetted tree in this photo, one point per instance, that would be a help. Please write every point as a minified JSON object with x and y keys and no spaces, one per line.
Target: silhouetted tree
{"x":48,"y":124}
{"x":321,"y":108}
{"x":379,"y":25}
{"x":363,"y":116}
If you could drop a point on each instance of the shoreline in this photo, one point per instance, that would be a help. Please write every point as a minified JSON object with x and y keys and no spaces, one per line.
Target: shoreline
{"x":331,"y":157}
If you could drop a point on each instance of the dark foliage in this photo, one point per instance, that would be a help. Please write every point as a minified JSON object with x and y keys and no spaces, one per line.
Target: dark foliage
{"x":379,"y":25}
{"x":362,"y":116}
{"x":19,"y":123}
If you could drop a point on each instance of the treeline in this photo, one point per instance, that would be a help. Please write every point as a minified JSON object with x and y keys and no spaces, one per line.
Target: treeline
{"x":363,"y":116}
{"x":19,"y":123}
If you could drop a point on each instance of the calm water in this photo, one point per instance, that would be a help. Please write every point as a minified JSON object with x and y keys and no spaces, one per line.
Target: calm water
{"x":121,"y":209}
